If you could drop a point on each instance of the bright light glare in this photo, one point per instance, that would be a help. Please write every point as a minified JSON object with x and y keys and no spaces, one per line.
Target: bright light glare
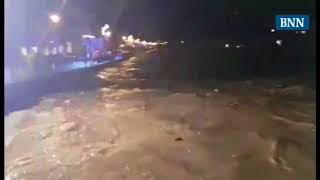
{"x":24,"y":51}
{"x":303,"y":32}
{"x":122,"y":45}
{"x":163,"y":43}
{"x":55,"y":18}
{"x":137,"y":41}
{"x":69,"y":47}
{"x":35,"y":49}
{"x":279,"y":42}
{"x":272,"y":30}
{"x":226,"y":46}
{"x":124,"y":38}
{"x":181,"y":42}
{"x":104,"y":31}
{"x":238,"y":46}
{"x":130,"y":38}
{"x":108,"y":33}
{"x":88,"y":36}
{"x":106,"y":26}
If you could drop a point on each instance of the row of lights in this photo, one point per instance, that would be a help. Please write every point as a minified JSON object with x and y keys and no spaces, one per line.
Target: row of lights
{"x":237,"y":46}
{"x":297,"y":32}
{"x":105,"y":31}
{"x":55,"y":19}
{"x":131,"y":41}
{"x":46,"y":51}
{"x":278,"y":42}
{"x":88,"y":36}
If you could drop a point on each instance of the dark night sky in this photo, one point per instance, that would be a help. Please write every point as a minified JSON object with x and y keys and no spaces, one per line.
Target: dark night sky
{"x":161,"y":19}
{"x":203,"y":22}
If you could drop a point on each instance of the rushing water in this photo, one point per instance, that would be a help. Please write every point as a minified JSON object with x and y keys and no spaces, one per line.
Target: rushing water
{"x":139,"y":129}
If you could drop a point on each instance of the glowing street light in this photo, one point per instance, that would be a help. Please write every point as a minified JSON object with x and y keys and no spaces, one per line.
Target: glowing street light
{"x":137,"y":41}
{"x":88,"y":36}
{"x":105,"y":31}
{"x":105,"y":27}
{"x":279,"y":42}
{"x":55,"y":18}
{"x":69,"y":47}
{"x":108,"y":33}
{"x":24,"y":51}
{"x":130,"y":39}
{"x":35,"y":49}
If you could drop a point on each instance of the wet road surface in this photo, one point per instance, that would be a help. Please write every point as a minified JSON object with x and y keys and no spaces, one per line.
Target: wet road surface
{"x":135,"y":126}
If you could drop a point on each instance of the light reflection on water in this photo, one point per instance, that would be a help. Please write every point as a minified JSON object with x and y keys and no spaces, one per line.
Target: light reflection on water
{"x":55,"y":68}
{"x":85,"y":64}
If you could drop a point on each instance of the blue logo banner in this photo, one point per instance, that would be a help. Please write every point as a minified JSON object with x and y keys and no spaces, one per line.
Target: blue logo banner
{"x":292,"y":22}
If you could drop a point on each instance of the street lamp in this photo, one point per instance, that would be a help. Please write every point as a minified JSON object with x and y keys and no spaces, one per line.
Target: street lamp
{"x":130,"y":39}
{"x":137,"y":41}
{"x":55,"y":18}
{"x":108,"y":33}
{"x":279,"y":42}
{"x":35,"y":49}
{"x":105,"y":30}
{"x":24,"y":51}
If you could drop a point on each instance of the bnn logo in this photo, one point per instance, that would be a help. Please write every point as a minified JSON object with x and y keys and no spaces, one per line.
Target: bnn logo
{"x":292,"y":22}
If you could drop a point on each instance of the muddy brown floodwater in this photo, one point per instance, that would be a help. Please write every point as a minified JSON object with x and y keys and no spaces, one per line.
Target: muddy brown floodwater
{"x":140,"y":129}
